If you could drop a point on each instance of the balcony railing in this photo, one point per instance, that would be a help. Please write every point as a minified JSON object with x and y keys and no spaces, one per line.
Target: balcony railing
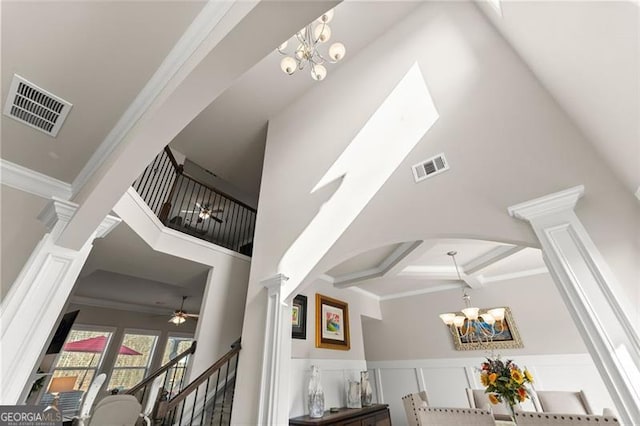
{"x":188,"y":205}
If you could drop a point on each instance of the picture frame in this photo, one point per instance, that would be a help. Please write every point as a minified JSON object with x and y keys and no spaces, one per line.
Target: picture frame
{"x":509,"y":339}
{"x":299,"y":317}
{"x":332,"y":323}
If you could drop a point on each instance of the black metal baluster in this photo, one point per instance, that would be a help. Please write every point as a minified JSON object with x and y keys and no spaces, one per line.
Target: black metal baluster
{"x":215,"y":397}
{"x":159,"y":197}
{"x":193,"y":406}
{"x":152,"y":175}
{"x":204,"y":402}
{"x":237,"y":356}
{"x":224,"y":394}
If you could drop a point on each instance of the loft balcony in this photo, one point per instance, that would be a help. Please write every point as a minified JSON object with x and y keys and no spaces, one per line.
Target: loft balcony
{"x":188,"y":205}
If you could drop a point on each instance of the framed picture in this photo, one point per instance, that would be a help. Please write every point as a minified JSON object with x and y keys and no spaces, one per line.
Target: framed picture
{"x":299,"y":317}
{"x":509,"y":338}
{"x":332,"y":323}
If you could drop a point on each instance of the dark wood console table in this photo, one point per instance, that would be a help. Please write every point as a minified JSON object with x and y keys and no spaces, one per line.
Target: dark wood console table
{"x":374,"y":415}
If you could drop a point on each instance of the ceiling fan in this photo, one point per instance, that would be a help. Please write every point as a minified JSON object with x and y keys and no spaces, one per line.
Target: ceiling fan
{"x":180,"y":315}
{"x":205,"y":212}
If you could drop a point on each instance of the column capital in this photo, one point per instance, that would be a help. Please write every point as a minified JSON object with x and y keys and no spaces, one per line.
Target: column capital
{"x":57,"y":211}
{"x":549,"y":204}
{"x":275,"y":282}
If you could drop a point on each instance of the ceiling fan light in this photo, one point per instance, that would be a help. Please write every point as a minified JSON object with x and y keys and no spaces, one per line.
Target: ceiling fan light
{"x":177,"y":319}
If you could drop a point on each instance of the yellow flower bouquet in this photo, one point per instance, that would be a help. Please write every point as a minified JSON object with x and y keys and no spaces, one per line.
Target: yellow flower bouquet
{"x":505,"y":381}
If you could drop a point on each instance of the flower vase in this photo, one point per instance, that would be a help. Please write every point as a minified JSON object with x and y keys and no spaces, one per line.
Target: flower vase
{"x":353,"y":394}
{"x":512,"y":410}
{"x":366,"y":393}
{"x":316,"y":394}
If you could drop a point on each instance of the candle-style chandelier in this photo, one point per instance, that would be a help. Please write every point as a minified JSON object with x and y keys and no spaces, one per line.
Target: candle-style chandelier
{"x":306,"y":53}
{"x":471,"y":325}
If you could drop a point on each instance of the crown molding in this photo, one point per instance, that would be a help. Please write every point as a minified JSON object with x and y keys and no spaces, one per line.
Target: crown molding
{"x":36,"y":183}
{"x":548,"y":204}
{"x":120,"y":306}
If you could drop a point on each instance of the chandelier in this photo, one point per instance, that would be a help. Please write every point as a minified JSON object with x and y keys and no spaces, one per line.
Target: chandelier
{"x":470,"y":324}
{"x":306,"y":53}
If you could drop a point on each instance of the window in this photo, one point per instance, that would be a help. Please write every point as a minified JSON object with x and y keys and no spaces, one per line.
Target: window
{"x":81,"y":356}
{"x":133,"y":361}
{"x":175,"y":346}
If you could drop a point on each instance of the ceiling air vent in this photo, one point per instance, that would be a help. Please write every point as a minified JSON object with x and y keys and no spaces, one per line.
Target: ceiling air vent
{"x":35,"y":107}
{"x":430,"y":167}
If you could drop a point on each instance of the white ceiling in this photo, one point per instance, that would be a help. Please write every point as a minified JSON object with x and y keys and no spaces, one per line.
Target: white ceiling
{"x":427,"y":267}
{"x":95,"y":54}
{"x":587,"y":54}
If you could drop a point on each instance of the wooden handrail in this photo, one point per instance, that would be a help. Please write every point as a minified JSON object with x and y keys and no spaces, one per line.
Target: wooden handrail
{"x":162,"y":369}
{"x":235,"y":348}
{"x":179,"y":168}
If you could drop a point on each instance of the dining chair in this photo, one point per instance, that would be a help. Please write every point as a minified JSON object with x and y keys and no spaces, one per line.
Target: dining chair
{"x":438,"y":416}
{"x":556,"y":419}
{"x":479,"y":399}
{"x":411,"y":402}
{"x":564,"y":402}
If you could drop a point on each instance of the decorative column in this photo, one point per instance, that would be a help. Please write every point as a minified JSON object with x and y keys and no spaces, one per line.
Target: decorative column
{"x":274,"y":386}
{"x":585,"y":283}
{"x":37,"y":298}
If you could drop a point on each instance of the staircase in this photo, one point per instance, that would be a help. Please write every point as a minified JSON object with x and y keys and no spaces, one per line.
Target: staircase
{"x":208,"y":400}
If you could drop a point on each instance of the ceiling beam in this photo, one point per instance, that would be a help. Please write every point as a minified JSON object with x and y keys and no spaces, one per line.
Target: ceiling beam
{"x":489,"y":258}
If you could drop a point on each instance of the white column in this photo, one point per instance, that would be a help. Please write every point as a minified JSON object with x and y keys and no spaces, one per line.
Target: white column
{"x":37,"y":298}
{"x":274,"y":387}
{"x":587,"y":286}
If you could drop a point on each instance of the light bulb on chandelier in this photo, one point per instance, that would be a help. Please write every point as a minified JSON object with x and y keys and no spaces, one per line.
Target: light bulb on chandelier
{"x":306,"y":53}
{"x":473,"y":326}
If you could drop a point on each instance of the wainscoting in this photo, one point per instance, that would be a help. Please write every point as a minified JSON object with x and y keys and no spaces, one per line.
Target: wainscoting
{"x":445,"y":380}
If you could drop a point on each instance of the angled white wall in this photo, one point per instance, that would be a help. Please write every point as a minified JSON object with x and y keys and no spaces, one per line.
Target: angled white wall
{"x":505,"y":138}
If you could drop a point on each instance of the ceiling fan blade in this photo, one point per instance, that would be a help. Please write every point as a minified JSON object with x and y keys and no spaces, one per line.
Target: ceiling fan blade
{"x":217,"y":211}
{"x":216,"y":219}
{"x":198,"y":205}
{"x":192,"y":315}
{"x":189,"y":211}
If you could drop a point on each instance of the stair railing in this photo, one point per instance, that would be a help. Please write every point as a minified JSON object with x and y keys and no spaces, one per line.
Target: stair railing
{"x":172,"y":383}
{"x":206,"y":400}
{"x":189,"y":205}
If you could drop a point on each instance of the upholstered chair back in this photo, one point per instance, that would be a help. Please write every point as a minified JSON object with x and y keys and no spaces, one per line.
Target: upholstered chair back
{"x":436,"y":416}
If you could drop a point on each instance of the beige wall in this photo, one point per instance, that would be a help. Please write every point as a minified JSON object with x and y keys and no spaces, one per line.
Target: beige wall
{"x":411,"y":328}
{"x":20,"y":232}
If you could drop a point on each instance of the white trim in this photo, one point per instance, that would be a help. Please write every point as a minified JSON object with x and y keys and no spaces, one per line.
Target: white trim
{"x":395,"y":257}
{"x":193,"y":37}
{"x":365,"y":293}
{"x":513,"y":275}
{"x":548,"y":204}
{"x":36,"y":183}
{"x":433,"y":289}
{"x":638,"y":193}
{"x":120,"y":306}
{"x":492,"y":256}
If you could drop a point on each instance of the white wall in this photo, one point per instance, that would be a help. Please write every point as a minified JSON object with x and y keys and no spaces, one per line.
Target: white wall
{"x":445,"y":380}
{"x":506,"y":139}
{"x":20,"y":232}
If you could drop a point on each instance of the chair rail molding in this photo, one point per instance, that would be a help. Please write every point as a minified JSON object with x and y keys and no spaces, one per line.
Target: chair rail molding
{"x":37,"y":298}
{"x":273,"y":408}
{"x":586,"y":285}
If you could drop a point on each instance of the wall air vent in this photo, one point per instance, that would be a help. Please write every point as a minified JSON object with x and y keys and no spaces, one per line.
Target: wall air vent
{"x":430,"y":167}
{"x":35,"y":107}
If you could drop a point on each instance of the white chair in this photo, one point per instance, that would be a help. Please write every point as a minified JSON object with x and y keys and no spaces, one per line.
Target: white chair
{"x":116,"y":410}
{"x":480,"y":400}
{"x":555,"y":419}
{"x":411,"y":402}
{"x":152,"y":398}
{"x":436,"y":416}
{"x":564,"y":402}
{"x":89,"y":398}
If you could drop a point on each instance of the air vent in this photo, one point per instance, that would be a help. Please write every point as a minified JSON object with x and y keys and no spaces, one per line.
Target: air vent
{"x":430,"y":167}
{"x":35,"y":107}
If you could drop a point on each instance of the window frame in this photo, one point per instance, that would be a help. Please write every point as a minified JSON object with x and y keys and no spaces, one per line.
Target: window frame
{"x":139,"y":332}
